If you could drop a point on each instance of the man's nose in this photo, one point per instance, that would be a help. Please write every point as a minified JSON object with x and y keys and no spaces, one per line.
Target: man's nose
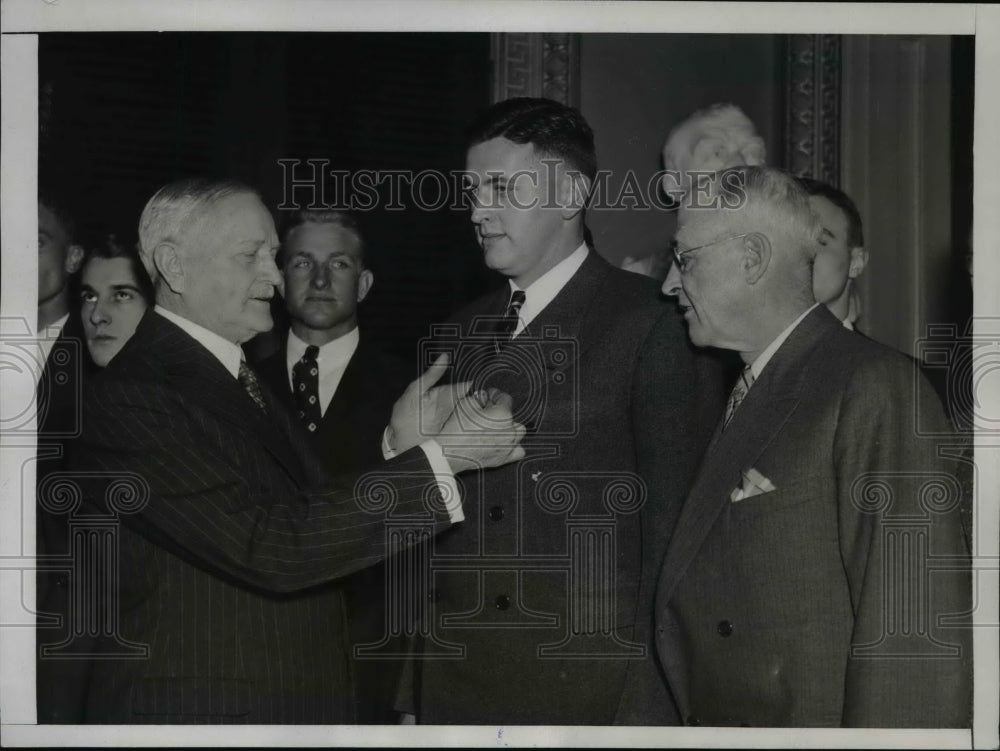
{"x":320,"y":276}
{"x":269,"y":272}
{"x":100,"y":313}
{"x":479,"y":210}
{"x":672,"y":284}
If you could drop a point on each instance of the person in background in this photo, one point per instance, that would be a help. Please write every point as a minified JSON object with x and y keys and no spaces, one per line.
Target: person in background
{"x":115,"y":292}
{"x":705,"y":142}
{"x":59,"y":682}
{"x":842,"y":256}
{"x":342,"y":388}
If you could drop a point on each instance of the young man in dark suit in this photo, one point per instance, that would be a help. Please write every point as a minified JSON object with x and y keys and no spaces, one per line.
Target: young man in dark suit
{"x":60,"y":677}
{"x":818,"y":573}
{"x":342,"y":388}
{"x":842,"y":256}
{"x":600,"y":371}
{"x":231,"y":532}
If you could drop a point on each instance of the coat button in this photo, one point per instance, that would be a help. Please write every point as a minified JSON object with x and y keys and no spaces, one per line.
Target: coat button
{"x":502,"y":602}
{"x":496,"y":513}
{"x":725,"y":628}
{"x":693,"y":721}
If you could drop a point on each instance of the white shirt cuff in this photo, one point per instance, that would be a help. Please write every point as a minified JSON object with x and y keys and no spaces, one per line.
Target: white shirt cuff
{"x":445,"y":480}
{"x":387,"y":451}
{"x":443,"y":475}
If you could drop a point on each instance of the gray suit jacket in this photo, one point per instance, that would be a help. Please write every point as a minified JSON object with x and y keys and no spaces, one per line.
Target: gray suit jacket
{"x":610,"y":389}
{"x":832,"y":599}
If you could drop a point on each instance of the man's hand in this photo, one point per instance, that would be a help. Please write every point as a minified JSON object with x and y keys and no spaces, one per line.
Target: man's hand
{"x":421,"y":412}
{"x":481,"y":432}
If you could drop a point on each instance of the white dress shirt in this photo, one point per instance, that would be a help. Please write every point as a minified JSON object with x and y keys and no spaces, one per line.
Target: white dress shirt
{"x":230,"y":355}
{"x":225,"y":351}
{"x":765,"y":357}
{"x":332,"y":360}
{"x":544,"y":289}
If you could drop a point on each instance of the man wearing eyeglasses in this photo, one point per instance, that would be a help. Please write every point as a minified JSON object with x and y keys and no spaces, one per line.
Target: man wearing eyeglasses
{"x":818,"y":560}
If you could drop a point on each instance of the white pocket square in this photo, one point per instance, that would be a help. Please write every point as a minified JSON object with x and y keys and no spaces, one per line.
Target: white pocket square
{"x":752,"y":483}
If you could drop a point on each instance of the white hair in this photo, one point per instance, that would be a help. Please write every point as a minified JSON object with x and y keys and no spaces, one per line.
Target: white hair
{"x":726,"y":121}
{"x":174,"y":207}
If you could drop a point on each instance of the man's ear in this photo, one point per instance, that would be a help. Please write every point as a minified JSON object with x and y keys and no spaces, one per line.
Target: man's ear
{"x":365,"y":281}
{"x":574,"y":192}
{"x":167,"y":260}
{"x":859,"y":260}
{"x":756,"y":256}
{"x":74,"y":257}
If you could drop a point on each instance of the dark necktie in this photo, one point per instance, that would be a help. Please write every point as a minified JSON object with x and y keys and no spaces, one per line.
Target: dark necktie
{"x":305,"y":381}
{"x":739,"y":393}
{"x":248,"y":380}
{"x":505,"y":329}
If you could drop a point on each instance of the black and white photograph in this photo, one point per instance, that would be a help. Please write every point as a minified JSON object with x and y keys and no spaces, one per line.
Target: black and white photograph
{"x":501,"y":373}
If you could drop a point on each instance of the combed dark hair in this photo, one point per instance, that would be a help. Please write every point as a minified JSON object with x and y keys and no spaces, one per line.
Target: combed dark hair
{"x":346,"y":219}
{"x":108,"y":247}
{"x":554,"y":129}
{"x":855,"y":229}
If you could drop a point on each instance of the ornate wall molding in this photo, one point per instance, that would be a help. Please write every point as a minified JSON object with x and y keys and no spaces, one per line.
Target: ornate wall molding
{"x":531,"y":64}
{"x":812,"y":113}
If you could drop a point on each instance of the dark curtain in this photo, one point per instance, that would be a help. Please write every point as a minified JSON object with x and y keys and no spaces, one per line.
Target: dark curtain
{"x":122,"y":114}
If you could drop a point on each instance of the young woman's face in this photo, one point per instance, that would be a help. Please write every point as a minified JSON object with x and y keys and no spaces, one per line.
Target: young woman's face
{"x":111,"y":306}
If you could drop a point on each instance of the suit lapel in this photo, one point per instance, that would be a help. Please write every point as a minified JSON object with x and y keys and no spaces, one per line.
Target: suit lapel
{"x":565,"y":317}
{"x":203,"y":379}
{"x":569,"y":311}
{"x":357,"y":385}
{"x":759,"y":419}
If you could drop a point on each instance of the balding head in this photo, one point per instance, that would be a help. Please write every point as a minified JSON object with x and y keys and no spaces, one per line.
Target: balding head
{"x":745,"y":270}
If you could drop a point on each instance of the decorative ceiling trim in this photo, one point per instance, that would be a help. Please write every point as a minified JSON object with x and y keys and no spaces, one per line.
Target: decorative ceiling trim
{"x":528,"y":64}
{"x":812,"y":115}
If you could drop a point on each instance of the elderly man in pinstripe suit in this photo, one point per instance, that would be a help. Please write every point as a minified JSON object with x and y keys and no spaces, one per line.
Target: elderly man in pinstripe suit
{"x":225,"y":569}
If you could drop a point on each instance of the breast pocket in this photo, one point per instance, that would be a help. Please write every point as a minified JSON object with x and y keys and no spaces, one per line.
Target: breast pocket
{"x":788,"y":494}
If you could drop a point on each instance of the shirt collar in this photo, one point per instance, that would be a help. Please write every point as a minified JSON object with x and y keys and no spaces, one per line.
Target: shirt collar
{"x":544,"y":289}
{"x":333,"y":353}
{"x":764,"y":357}
{"x":225,"y":351}
{"x":55,"y":328}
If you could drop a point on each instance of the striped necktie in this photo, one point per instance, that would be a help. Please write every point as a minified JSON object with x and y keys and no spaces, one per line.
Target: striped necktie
{"x":740,"y":390}
{"x":248,"y":380}
{"x":505,"y":329}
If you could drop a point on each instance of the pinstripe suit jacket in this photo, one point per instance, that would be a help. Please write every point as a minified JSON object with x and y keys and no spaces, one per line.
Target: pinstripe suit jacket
{"x":807,"y":605}
{"x":224,"y":571}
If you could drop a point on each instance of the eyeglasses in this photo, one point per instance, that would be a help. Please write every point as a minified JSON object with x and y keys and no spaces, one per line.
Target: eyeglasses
{"x":679,"y":254}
